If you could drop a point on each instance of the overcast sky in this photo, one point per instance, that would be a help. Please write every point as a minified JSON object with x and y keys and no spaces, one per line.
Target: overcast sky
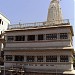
{"x":34,"y":10}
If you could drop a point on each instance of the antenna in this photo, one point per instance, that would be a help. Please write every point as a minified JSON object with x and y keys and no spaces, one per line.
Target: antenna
{"x":19,"y":22}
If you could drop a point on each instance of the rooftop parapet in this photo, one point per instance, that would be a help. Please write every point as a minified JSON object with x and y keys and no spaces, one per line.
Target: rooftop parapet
{"x":39,"y":24}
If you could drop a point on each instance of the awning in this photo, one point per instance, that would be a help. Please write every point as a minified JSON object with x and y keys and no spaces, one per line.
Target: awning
{"x":69,"y":72}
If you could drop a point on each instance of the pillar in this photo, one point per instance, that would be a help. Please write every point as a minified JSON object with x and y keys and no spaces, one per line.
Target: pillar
{"x":35,"y":58}
{"x":36,"y":37}
{"x":58,"y":58}
{"x":44,"y":36}
{"x":4,"y":58}
{"x":58,"y":36}
{"x":0,"y":49}
{"x":13,"y":58}
{"x":24,"y":58}
{"x":70,"y":59}
{"x":25,"y":37}
{"x":44,"y":58}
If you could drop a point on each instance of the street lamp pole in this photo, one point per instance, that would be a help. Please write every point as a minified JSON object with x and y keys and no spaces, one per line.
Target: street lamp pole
{"x":4,"y":69}
{"x":56,"y":69}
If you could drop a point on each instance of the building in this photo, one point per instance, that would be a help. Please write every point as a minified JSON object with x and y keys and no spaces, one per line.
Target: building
{"x":1,"y":41}
{"x":74,"y":54}
{"x":74,"y":60}
{"x":4,"y":22}
{"x":41,"y":48}
{"x":1,"y":53}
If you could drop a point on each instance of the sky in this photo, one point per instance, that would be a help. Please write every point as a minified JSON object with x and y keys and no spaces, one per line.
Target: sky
{"x":25,"y":11}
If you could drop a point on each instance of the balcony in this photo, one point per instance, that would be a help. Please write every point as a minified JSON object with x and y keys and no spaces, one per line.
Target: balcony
{"x":39,"y":24}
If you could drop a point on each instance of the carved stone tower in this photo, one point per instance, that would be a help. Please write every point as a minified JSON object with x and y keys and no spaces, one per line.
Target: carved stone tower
{"x":54,"y":13}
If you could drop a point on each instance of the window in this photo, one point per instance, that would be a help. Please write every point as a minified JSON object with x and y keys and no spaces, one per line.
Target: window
{"x":63,"y":36}
{"x":51,"y":36}
{"x":64,"y":58}
{"x":19,"y":58}
{"x":10,"y":38}
{"x":41,"y":64}
{"x":30,"y":58}
{"x":8,"y":57}
{"x":40,"y":37}
{"x":51,"y":58}
{"x":39,"y":58}
{"x":20,"y":38}
{"x":0,"y":21}
{"x":31,"y":37}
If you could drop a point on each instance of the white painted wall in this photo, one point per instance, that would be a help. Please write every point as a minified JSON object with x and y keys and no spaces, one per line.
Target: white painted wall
{"x":43,"y":43}
{"x":38,"y":44}
{"x":6,"y":22}
{"x":3,"y":27}
{"x":39,"y":31}
{"x":22,"y":44}
{"x":59,"y":66}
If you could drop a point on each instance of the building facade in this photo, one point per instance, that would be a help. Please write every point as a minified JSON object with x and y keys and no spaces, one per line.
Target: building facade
{"x":74,"y":60}
{"x":41,"y":48}
{"x":4,"y":22}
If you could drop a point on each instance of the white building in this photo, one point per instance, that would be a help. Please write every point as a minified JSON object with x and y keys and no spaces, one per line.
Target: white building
{"x":4,"y":22}
{"x":41,"y":48}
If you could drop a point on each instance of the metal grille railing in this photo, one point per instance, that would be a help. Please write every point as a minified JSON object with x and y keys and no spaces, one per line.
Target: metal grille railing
{"x":38,"y":24}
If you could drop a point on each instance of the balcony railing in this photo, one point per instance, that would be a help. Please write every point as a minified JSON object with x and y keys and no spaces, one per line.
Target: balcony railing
{"x":38,"y":24}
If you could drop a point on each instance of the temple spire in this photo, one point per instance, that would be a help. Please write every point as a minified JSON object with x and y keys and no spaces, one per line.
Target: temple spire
{"x":54,"y":12}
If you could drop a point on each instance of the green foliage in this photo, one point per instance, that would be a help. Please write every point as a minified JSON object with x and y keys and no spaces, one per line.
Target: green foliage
{"x":74,"y":62}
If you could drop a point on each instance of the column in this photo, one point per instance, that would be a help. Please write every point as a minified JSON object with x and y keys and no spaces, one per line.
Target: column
{"x":13,"y":58}
{"x":36,"y":37}
{"x":25,"y":37}
{"x":44,"y":58}
{"x":69,"y":36}
{"x":58,"y":58}
{"x":4,"y":58}
{"x":0,"y":49}
{"x":58,"y":36}
{"x":24,"y":58}
{"x":14,"y":38}
{"x":70,"y":59}
{"x":44,"y":36}
{"x":35,"y":58}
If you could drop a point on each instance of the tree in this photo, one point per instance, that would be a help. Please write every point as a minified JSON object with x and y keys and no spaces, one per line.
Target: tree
{"x":74,"y":62}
